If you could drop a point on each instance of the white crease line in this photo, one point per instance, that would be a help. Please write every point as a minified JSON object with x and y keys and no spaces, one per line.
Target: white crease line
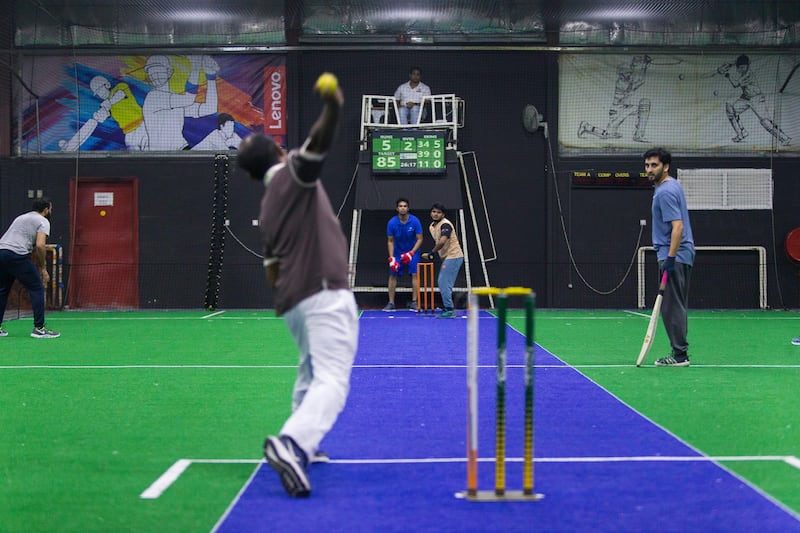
{"x":539,"y":316}
{"x":633,"y":459}
{"x":792,"y":461}
{"x":134,"y":367}
{"x":134,"y":318}
{"x":167,"y":478}
{"x":630,"y":459}
{"x":360,"y":366}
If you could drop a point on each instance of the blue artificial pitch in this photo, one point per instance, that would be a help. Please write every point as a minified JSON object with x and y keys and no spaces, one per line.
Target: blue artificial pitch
{"x":407,"y":411}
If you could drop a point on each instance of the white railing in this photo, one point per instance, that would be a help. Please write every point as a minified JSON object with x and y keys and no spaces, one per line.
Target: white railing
{"x":439,"y":111}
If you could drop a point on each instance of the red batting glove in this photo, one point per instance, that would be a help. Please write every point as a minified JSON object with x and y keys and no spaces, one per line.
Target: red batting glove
{"x":407,"y":257}
{"x":394,"y":266}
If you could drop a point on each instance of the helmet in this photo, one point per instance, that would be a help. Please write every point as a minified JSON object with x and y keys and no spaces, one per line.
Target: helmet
{"x":157,"y":61}
{"x":97,"y":83}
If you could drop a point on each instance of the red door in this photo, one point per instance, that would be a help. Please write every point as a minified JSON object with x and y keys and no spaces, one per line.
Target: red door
{"x":104,"y":251}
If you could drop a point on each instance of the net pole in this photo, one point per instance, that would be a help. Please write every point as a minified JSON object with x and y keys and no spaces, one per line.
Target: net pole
{"x":527,"y":471}
{"x":473,"y":310}
{"x":500,"y":429}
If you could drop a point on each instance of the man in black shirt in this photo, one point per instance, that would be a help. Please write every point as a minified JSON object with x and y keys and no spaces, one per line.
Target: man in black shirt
{"x":306,"y":263}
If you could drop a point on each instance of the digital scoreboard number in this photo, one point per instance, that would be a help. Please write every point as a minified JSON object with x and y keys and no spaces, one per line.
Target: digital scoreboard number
{"x":408,"y":152}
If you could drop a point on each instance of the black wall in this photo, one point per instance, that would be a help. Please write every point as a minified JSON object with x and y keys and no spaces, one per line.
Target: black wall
{"x":518,"y":179}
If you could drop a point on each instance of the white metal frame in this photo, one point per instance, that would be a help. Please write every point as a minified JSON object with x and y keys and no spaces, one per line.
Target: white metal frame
{"x":438,"y":119}
{"x":762,"y":268}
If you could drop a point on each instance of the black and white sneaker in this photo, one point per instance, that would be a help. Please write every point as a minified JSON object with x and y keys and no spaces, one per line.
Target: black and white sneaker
{"x":679,"y":360}
{"x":289,"y":461}
{"x":44,"y":333}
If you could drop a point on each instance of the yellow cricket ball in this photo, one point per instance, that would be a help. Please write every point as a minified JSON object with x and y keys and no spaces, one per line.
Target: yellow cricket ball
{"x":326,"y":84}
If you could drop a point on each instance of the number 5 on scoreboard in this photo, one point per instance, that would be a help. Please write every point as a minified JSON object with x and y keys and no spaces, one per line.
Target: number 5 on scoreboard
{"x":651,"y":328}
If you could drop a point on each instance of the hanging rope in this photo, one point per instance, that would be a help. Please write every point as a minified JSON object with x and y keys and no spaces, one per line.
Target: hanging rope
{"x":219,"y":216}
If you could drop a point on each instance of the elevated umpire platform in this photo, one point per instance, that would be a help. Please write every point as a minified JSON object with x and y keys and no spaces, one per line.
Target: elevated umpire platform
{"x":439,"y":111}
{"x":419,"y":161}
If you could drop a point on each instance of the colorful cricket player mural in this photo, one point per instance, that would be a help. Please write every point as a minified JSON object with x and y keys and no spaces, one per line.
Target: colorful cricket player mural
{"x":156,"y":103}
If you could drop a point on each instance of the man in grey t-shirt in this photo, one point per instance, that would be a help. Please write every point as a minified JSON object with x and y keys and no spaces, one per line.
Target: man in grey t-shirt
{"x":306,"y":263}
{"x":22,"y":257}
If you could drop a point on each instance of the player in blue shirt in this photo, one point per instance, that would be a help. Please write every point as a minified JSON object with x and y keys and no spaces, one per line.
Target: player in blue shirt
{"x":674,"y":244}
{"x":404,"y":238}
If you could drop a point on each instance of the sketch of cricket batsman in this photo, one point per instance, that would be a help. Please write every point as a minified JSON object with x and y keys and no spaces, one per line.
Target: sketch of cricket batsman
{"x":630,"y":77}
{"x":751,"y":98}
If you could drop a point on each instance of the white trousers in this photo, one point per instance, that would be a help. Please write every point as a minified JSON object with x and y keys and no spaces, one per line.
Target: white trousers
{"x":325,"y":328}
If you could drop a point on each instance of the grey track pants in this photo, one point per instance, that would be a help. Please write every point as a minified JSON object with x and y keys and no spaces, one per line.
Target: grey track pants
{"x":674,"y":307}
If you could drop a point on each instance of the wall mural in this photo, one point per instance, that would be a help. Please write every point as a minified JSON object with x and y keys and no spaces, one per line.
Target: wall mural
{"x":736,"y":104}
{"x":155,"y":103}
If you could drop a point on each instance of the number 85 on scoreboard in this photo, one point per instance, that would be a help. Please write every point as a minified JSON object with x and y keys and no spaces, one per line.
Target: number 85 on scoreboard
{"x":408,"y":152}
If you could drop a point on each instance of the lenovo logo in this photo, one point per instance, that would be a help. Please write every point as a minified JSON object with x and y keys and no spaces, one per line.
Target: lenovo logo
{"x":275,"y":100}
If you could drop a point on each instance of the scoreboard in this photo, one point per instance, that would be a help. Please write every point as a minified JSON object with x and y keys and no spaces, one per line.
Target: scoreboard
{"x":408,"y":152}
{"x":610,"y":179}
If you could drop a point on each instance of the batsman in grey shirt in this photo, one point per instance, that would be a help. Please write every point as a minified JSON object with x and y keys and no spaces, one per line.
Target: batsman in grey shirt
{"x":305,"y":254}
{"x":22,"y":257}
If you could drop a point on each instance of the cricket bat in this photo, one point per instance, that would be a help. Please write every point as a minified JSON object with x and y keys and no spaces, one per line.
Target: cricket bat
{"x":80,"y":137}
{"x":651,"y":328}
